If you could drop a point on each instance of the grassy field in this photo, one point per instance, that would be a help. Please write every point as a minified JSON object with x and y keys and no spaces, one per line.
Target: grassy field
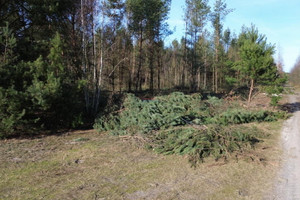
{"x":89,"y":165}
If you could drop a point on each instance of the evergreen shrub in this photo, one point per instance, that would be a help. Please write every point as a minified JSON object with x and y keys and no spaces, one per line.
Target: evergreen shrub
{"x":242,"y":116}
{"x":218,"y":141}
{"x":11,"y":113}
{"x":185,"y":124}
{"x":163,"y":112}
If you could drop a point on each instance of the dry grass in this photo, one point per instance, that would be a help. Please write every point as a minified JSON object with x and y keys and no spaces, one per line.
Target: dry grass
{"x":87,"y":165}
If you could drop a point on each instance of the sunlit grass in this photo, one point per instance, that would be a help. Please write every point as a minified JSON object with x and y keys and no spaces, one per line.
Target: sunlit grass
{"x":109,"y":167}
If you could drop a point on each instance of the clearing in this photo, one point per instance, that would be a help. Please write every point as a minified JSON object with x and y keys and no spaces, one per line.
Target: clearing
{"x":91,"y":165}
{"x":88,"y":165}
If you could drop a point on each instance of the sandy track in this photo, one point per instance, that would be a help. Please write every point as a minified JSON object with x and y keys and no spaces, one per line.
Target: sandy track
{"x":288,"y":184}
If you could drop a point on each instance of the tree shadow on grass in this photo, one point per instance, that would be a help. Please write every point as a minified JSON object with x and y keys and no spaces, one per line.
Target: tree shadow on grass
{"x":290,"y":107}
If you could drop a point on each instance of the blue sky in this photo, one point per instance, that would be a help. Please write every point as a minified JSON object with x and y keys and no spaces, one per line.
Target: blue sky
{"x":279,"y":20}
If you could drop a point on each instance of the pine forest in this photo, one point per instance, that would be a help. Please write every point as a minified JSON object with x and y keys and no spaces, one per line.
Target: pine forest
{"x":65,"y":63}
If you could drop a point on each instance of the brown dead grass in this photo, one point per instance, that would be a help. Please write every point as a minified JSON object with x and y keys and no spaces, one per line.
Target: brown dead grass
{"x":87,"y":165}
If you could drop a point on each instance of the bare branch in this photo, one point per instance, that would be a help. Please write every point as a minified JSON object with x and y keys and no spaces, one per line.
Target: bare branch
{"x":117,"y":66}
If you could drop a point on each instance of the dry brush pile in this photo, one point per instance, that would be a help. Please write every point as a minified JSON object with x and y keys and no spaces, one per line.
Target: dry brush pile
{"x":186,"y":124}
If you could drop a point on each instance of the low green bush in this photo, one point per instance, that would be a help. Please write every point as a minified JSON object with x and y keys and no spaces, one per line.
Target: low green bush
{"x":11,"y":114}
{"x":218,"y":141}
{"x":242,"y":116}
{"x":185,"y":124}
{"x":145,"y":116}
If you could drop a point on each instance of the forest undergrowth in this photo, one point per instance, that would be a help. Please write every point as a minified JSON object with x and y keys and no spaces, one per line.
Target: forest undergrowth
{"x":188,"y":125}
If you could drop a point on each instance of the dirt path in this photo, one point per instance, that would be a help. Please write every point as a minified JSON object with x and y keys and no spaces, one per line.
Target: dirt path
{"x":288,"y":186}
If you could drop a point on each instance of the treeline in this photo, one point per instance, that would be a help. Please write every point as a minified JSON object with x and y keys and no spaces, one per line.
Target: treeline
{"x":57,"y":57}
{"x":294,"y":76}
